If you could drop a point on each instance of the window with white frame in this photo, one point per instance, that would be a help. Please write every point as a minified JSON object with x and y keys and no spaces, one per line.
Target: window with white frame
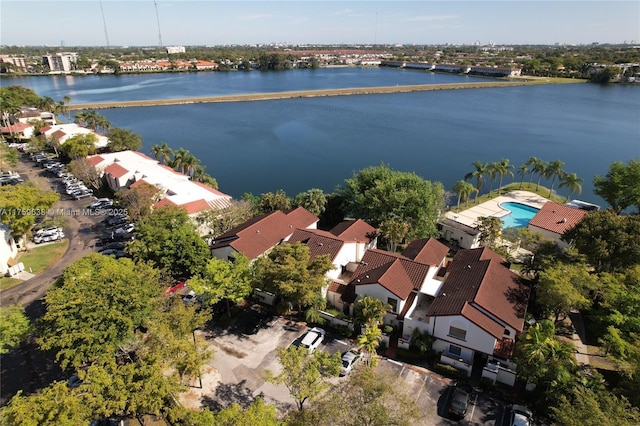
{"x":393,"y":303}
{"x":457,"y":333}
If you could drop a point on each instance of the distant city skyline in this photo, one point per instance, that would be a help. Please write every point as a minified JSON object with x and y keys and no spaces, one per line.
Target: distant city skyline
{"x":190,"y":23}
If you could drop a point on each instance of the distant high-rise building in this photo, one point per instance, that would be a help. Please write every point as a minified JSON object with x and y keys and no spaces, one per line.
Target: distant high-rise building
{"x":60,"y":62}
{"x":175,"y":49}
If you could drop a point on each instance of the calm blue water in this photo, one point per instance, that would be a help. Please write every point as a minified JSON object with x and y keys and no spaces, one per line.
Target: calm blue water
{"x":519,"y":217}
{"x":302,"y":143}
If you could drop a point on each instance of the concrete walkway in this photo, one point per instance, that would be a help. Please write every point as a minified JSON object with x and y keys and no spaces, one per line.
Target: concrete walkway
{"x":492,"y":207}
{"x":579,"y":338}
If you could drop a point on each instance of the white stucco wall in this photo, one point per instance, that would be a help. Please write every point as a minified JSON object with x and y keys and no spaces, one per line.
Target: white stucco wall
{"x":8,"y":248}
{"x":222,"y":252}
{"x":378,"y":292}
{"x":476,"y":338}
{"x":549,"y":235}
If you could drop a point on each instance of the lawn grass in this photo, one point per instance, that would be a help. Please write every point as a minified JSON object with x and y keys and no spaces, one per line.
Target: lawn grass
{"x":541,"y":191}
{"x":40,"y":258}
{"x":6,"y":282}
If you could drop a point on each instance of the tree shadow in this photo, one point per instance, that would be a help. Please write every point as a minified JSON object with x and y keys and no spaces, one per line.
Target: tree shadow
{"x":230,"y":393}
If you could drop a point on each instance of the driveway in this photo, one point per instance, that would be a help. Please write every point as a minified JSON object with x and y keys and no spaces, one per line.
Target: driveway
{"x":236,"y":374}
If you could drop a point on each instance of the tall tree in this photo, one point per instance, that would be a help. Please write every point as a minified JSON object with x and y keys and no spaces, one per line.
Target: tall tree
{"x":162,"y":152}
{"x":367,"y":397}
{"x":481,"y":170}
{"x":620,"y":187}
{"x":96,"y":304}
{"x":305,"y":375}
{"x":378,"y":193}
{"x":86,"y":172}
{"x":565,"y":287}
{"x":370,"y":311}
{"x":289,"y":271}
{"x":369,"y":340}
{"x":394,"y":230}
{"x":531,"y":165}
{"x":490,"y":228}
{"x":179,"y":158}
{"x":583,"y":406}
{"x":463,"y":191}
{"x":217,"y":221}
{"x":20,"y":201}
{"x":540,"y":167}
{"x":522,"y":171}
{"x":270,"y":201}
{"x":168,"y":240}
{"x":502,"y":169}
{"x":314,"y":200}
{"x":139,"y":199}
{"x":572,"y":182}
{"x":14,"y":327}
{"x":80,"y":146}
{"x":552,"y":171}
{"x":122,"y":140}
{"x":611,"y":243}
{"x":226,"y":279}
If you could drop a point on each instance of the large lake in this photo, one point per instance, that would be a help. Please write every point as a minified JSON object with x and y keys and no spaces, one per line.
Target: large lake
{"x":302,"y":143}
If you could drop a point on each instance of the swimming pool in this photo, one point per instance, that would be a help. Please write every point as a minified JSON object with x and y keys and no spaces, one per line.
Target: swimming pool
{"x":519,"y":217}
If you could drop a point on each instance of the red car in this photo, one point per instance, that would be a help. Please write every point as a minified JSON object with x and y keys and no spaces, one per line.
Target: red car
{"x":176,"y":287}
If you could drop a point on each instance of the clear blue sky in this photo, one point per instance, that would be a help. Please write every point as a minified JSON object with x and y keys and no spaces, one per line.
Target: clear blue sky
{"x":188,"y":22}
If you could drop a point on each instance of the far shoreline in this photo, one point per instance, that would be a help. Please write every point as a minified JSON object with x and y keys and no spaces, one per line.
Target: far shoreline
{"x":318,"y":93}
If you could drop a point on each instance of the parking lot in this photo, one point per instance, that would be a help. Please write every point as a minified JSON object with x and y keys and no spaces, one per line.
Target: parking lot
{"x":243,"y":354}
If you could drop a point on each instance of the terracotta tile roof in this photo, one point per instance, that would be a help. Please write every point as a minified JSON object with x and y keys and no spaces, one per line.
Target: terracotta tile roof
{"x":261,"y":233}
{"x":116,"y":170}
{"x":94,"y":160}
{"x":557,"y":218}
{"x":196,"y":206}
{"x":45,"y":128}
{"x":479,"y":280}
{"x":427,"y":250}
{"x":319,"y":242}
{"x":350,"y":230}
{"x":138,"y":182}
{"x":165,"y":202}
{"x":394,"y":272}
{"x":58,"y":134}
{"x":336,"y":287}
{"x":15,"y":128}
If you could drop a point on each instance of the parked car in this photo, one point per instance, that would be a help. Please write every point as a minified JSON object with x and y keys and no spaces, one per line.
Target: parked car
{"x":177,"y":286}
{"x":313,"y":339}
{"x":101,"y":203}
{"x":190,"y":297}
{"x":459,"y":401}
{"x":116,"y":220}
{"x":82,"y":193}
{"x":115,"y":245}
{"x":349,"y":360}
{"x":520,"y":416}
{"x":128,"y":228}
{"x":46,"y":237}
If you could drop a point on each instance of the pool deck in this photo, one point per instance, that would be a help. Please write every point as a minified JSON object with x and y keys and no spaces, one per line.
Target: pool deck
{"x":492,"y":207}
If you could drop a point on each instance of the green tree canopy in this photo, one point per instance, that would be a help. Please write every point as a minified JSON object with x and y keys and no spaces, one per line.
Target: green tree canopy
{"x":96,"y":304}
{"x":272,"y":201}
{"x":21,"y":203}
{"x":122,"y":140}
{"x":220,"y":221}
{"x":370,"y":311}
{"x":367,"y":397}
{"x":79,"y":146}
{"x":14,"y":327}
{"x":586,"y":407}
{"x":609,"y":242}
{"x":620,"y":187}
{"x":168,"y":240}
{"x":490,"y":228}
{"x":224,"y":279}
{"x":376,"y":194}
{"x":138,"y":200}
{"x":314,"y":200}
{"x":564,"y":287}
{"x":305,"y":375}
{"x":289,"y":271}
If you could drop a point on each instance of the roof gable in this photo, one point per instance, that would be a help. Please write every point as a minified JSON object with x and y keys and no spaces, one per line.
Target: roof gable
{"x":354,"y":230}
{"x":319,"y":242}
{"x":116,"y":170}
{"x":427,"y":250}
{"x":557,"y":218}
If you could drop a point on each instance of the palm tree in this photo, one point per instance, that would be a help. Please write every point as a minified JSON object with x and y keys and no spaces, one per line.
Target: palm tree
{"x":189,"y":163}
{"x":370,"y":311}
{"x":503,"y":168}
{"x":493,"y":173}
{"x":572,"y":182}
{"x":553,"y":170}
{"x":162,"y":152}
{"x":540,"y":167}
{"x":463,"y":190}
{"x":522,"y":171}
{"x":369,"y":341}
{"x":480,"y":171}
{"x":531,"y":162}
{"x":178,"y":159}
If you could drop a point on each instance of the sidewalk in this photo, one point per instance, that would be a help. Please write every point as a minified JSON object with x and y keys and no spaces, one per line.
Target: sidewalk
{"x":579,"y":338}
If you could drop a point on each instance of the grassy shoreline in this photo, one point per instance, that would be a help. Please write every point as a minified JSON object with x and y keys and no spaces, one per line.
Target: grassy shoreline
{"x":319,"y":93}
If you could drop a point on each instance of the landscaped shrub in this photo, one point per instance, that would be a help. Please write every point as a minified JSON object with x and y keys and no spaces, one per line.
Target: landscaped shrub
{"x":450,"y":372}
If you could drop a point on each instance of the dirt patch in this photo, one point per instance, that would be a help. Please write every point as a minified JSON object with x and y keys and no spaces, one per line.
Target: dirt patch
{"x":192,"y":398}
{"x":229,"y":350}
